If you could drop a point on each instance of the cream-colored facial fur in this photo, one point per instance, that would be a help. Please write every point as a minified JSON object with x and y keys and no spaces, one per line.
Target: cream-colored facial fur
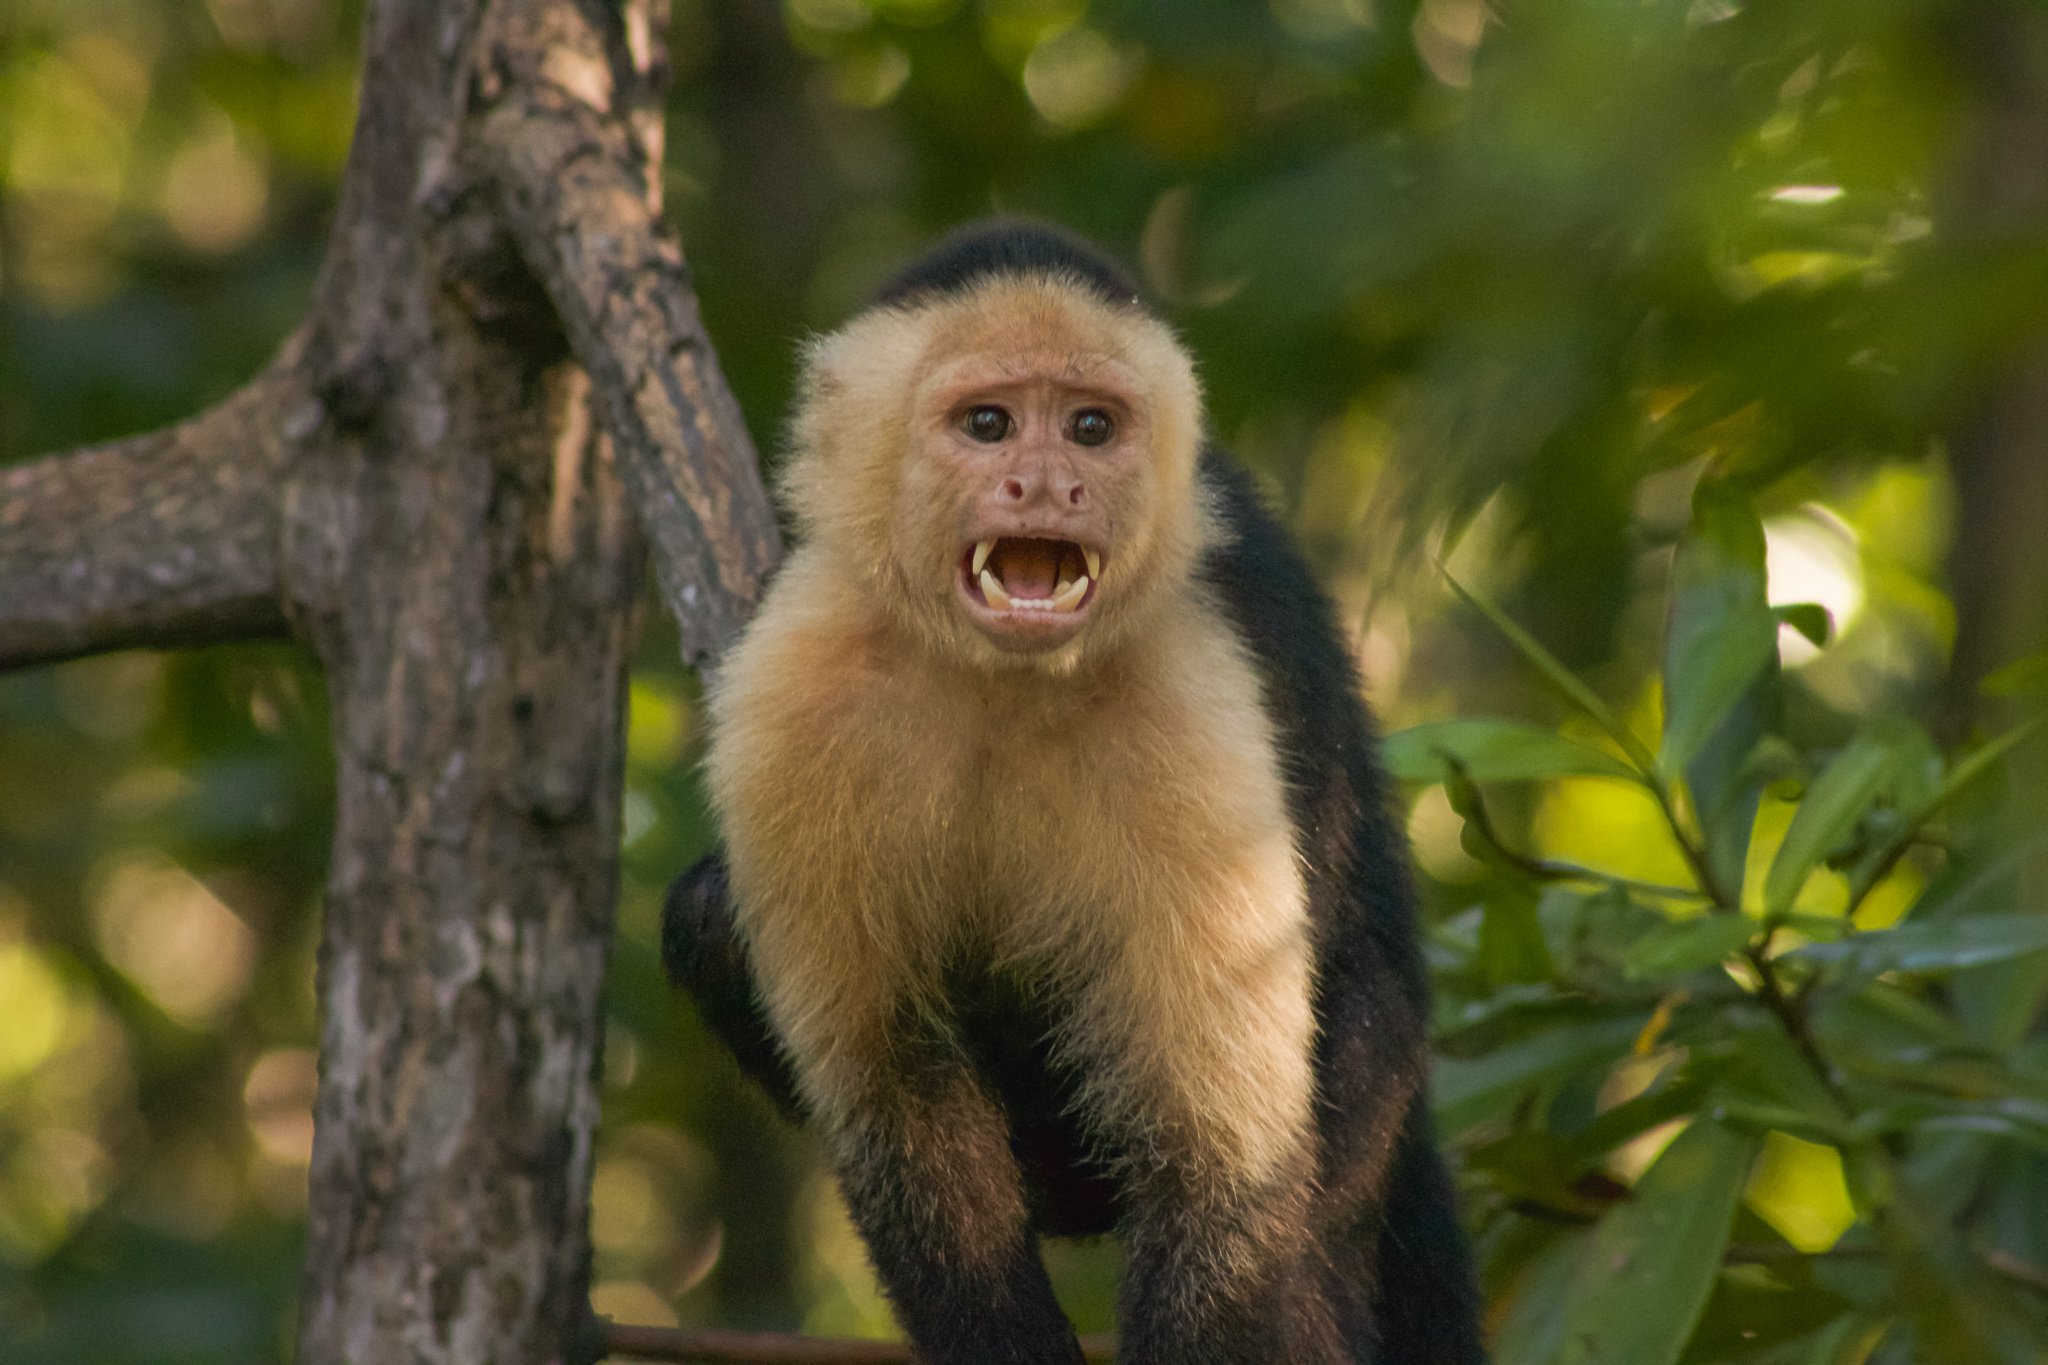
{"x":872,"y":399}
{"x":894,"y":792}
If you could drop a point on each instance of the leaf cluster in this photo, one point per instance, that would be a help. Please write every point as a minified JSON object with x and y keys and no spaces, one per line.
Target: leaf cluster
{"x":1725,"y":1118}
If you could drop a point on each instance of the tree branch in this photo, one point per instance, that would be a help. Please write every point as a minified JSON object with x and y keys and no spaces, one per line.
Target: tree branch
{"x":168,"y":538}
{"x":683,"y":1346}
{"x":562,"y":147}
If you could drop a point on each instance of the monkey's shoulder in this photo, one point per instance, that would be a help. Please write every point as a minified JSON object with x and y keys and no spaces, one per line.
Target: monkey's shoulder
{"x":1308,"y":671}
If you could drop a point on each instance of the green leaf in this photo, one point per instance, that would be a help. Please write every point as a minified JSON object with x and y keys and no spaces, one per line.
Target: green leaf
{"x":1810,"y":619}
{"x":1710,"y":670}
{"x":2020,"y":1121}
{"x":1493,"y":750}
{"x":1721,"y":632}
{"x":1827,"y":814}
{"x":1511,"y":946}
{"x":1760,"y":1077}
{"x":1687,"y":945}
{"x":1532,"y":1320}
{"x":1934,"y":946}
{"x":1654,"y":1260}
{"x":2022,"y":677}
{"x":1958,"y":1313}
{"x":1466,"y":1091}
{"x":1727,"y":776}
{"x":1979,"y":763}
{"x":1558,"y":676}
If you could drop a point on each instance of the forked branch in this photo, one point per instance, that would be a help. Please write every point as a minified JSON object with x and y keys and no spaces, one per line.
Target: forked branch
{"x":572,"y":167}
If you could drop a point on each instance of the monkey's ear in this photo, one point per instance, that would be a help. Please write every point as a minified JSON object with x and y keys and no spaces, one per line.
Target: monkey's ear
{"x":824,"y":392}
{"x":854,"y":382}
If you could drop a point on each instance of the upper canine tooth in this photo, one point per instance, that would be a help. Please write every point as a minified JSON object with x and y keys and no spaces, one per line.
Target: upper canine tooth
{"x":993,"y":591}
{"x":1094,"y":562}
{"x":982,"y":549}
{"x":1069,"y":596}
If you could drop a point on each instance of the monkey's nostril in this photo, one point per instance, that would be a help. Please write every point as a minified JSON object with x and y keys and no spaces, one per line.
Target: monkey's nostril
{"x":1013,"y":490}
{"x":1077,"y":495}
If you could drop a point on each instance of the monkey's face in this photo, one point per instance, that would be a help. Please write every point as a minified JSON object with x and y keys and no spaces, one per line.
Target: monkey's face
{"x":1043,"y":460}
{"x":1011,"y":470}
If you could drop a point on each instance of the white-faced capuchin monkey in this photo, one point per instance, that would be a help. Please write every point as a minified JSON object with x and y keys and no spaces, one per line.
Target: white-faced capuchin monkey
{"x":1060,"y":890}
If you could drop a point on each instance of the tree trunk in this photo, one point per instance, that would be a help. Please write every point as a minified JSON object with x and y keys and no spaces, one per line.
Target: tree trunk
{"x":434,"y":486}
{"x":1997,"y":214}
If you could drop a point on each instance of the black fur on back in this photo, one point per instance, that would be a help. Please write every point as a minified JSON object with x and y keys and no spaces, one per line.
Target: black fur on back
{"x":1391,"y":1211}
{"x":996,"y":247}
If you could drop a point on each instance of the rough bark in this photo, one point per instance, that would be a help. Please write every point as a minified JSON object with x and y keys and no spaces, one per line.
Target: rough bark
{"x":423,"y":487}
{"x":570,"y":170}
{"x":166,"y":538}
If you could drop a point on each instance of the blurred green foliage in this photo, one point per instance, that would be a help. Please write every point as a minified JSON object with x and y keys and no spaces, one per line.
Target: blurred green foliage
{"x":1654,"y":322}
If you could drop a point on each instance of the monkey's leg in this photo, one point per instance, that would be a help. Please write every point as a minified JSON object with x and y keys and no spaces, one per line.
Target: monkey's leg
{"x":1202,"y":1087}
{"x":1425,"y":1301}
{"x":924,"y":1157}
{"x":701,"y":947}
{"x":1400,"y":1279}
{"x":1221,"y":1276}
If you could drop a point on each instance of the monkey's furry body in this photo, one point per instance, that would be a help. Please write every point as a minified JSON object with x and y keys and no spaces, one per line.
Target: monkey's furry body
{"x":1060,"y":889}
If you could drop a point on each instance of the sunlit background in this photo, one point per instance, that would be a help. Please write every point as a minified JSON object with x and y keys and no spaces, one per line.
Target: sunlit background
{"x":1476,"y":283}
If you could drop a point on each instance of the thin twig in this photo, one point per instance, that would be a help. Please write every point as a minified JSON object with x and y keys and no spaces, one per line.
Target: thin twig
{"x":1559,"y":869}
{"x":1995,"y":1259}
{"x":701,"y":1346}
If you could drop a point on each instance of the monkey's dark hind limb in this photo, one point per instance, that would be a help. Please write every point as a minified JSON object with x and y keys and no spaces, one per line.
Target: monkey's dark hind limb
{"x":1426,"y":1303}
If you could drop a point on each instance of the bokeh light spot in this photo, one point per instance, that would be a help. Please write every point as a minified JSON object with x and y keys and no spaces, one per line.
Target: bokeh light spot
{"x":1811,"y":556}
{"x":1076,"y":77}
{"x":1797,"y":1187}
{"x":216,"y":189}
{"x":173,"y":938}
{"x":35,"y":1010}
{"x":278,"y":1098}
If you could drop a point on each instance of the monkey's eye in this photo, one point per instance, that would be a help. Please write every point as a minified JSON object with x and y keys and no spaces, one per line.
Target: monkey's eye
{"x":987,"y":423}
{"x":1092,"y":427}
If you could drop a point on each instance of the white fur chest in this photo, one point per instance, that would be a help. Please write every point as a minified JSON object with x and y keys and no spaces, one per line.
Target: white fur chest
{"x":1033,"y":814}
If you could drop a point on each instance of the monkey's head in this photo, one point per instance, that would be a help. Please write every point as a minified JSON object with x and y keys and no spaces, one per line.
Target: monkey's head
{"x":1001,"y":452}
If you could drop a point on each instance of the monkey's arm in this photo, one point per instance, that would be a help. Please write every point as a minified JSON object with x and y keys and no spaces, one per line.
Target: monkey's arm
{"x":701,"y":947}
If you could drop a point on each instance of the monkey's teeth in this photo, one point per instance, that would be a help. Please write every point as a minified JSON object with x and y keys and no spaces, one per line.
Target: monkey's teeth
{"x":993,"y":591}
{"x":1094,"y":562}
{"x":982,"y":550}
{"x":1066,"y":599}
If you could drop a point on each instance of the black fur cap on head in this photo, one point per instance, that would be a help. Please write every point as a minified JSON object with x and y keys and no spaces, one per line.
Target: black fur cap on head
{"x":1008,"y":246}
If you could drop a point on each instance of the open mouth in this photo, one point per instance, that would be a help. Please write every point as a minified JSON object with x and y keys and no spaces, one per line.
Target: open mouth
{"x":1013,"y":574}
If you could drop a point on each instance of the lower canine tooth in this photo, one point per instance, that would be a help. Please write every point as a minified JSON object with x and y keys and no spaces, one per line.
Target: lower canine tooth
{"x":993,"y":591}
{"x":1069,"y":597}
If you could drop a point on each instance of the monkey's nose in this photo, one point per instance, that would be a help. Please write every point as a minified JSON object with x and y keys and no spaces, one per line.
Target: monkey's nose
{"x":1024,"y":489}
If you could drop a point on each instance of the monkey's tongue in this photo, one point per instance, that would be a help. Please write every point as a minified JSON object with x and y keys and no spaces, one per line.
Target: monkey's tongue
{"x":1028,"y":568}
